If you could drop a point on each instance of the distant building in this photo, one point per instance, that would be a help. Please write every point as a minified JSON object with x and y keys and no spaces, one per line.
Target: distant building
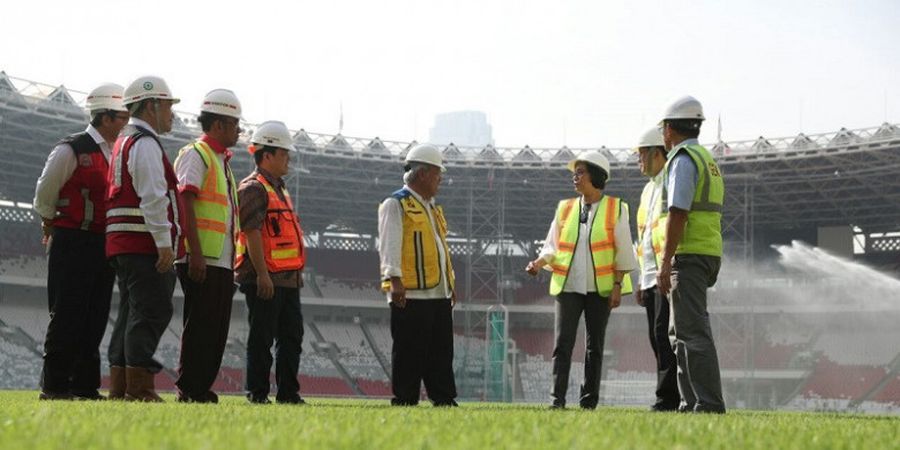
{"x":463,"y":128}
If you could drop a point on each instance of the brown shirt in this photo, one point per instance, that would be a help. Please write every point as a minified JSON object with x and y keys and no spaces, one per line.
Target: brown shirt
{"x":252,"y":203}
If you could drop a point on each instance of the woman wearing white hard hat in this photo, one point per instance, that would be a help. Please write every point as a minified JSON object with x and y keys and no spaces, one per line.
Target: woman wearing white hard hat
{"x":270,"y":257}
{"x":589,"y":251}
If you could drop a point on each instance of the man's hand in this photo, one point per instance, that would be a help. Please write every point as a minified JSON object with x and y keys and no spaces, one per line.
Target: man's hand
{"x":453,"y":298}
{"x":46,"y":230}
{"x":196,"y":267}
{"x":398,"y":293}
{"x":264,"y":287}
{"x":664,"y":278}
{"x":534,"y":266}
{"x":615,"y":297}
{"x":638,"y":297}
{"x":165,"y":259}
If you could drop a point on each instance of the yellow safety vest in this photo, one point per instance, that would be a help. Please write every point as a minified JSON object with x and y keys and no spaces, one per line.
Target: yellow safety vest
{"x":703,"y":230}
{"x":420,"y":260}
{"x":602,"y":239}
{"x":657,"y":225}
{"x":211,"y":205}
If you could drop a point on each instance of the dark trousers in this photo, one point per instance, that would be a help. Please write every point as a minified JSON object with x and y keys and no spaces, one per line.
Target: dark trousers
{"x":144,"y":311}
{"x":277,"y":320}
{"x":79,"y":291}
{"x":657,"y":307}
{"x":207,"y":313}
{"x":422,"y":350}
{"x":690,"y":334}
{"x":569,"y":306}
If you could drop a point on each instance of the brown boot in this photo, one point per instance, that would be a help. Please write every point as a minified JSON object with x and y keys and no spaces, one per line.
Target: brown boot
{"x":117,"y":383}
{"x":139,"y":384}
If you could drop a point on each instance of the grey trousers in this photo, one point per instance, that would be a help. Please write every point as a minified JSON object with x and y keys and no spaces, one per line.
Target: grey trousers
{"x":144,"y":311}
{"x":569,"y":306}
{"x":699,"y":381}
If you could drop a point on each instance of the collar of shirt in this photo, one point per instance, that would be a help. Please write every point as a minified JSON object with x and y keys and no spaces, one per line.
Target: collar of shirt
{"x":276,"y":183}
{"x":95,"y":135}
{"x":686,"y":142}
{"x":658,"y":178}
{"x":140,"y":123}
{"x":216,"y":146}
{"x":419,"y":197}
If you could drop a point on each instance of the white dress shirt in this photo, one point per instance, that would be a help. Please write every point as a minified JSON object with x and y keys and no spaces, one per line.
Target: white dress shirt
{"x":59,"y":168}
{"x":648,"y":256}
{"x":390,"y":247}
{"x":190,"y":172}
{"x":145,"y":165}
{"x":578,"y":280}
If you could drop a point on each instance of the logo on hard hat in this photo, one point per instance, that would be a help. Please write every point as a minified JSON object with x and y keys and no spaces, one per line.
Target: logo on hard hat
{"x":148,"y":85}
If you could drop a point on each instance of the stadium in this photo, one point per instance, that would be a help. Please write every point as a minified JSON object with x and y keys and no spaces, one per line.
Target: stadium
{"x":797,"y":327}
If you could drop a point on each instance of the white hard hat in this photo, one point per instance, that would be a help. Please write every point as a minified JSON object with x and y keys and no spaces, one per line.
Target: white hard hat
{"x":428,"y":154}
{"x":222,"y":102}
{"x":273,"y":133}
{"x":148,"y":87}
{"x":107,"y":96}
{"x":594,"y":158}
{"x":686,"y":107}
{"x":651,"y":138}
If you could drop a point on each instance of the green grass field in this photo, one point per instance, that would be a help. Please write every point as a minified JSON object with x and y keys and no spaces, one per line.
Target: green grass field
{"x":328,"y":423}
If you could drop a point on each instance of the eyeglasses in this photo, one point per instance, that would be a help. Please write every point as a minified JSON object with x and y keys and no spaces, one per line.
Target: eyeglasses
{"x":579,"y":173}
{"x":585,"y":210}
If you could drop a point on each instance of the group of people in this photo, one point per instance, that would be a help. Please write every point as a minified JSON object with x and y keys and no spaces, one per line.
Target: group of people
{"x":114,"y":207}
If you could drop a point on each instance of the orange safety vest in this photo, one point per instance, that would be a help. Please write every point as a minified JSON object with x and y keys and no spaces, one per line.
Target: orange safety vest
{"x":282,"y":236}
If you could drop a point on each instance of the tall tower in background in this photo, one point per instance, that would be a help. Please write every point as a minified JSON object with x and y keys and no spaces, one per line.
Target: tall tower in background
{"x":463,"y":128}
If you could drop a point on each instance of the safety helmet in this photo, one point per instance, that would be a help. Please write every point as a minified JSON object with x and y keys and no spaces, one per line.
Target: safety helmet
{"x":428,"y":154}
{"x":686,"y":107}
{"x":222,"y":102}
{"x":272,"y":133}
{"x":107,"y":96}
{"x":651,"y":138}
{"x":594,"y":158}
{"x":148,"y":87}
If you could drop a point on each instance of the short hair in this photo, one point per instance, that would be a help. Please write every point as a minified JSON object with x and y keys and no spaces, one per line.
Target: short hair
{"x":97,"y":116}
{"x":138,"y":108}
{"x":207,"y":119}
{"x":689,"y":128}
{"x":412,"y":171}
{"x":598,"y":175}
{"x":261,"y":152}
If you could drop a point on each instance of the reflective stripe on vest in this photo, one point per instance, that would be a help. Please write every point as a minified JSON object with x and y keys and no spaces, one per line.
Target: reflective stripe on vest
{"x":657,"y":225}
{"x":602,"y":247}
{"x":282,"y":237}
{"x":420,"y":256}
{"x":211,"y":204}
{"x":703,"y":230}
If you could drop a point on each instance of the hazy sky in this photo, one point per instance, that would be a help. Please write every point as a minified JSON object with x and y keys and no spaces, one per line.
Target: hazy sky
{"x":547,"y":73}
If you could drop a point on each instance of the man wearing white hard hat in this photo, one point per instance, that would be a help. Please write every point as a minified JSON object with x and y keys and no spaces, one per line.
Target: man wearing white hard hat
{"x":143,"y":238}
{"x":70,"y":198}
{"x":417,"y":277}
{"x":650,"y":234}
{"x":692,"y":197}
{"x":270,"y":258}
{"x":589,"y":250}
{"x":206,"y":274}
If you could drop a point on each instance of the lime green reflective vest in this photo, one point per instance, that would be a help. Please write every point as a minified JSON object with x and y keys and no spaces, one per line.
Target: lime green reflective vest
{"x":603,"y":244}
{"x":653,"y":219}
{"x":703,"y":231}
{"x":211,"y":205}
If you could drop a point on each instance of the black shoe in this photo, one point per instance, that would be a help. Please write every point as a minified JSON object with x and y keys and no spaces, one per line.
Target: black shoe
{"x":557,"y":406}
{"x":291,"y":401}
{"x":55,"y":396}
{"x":259,"y":400}
{"x":446,"y":404}
{"x":206,"y":397}
{"x":88,"y":396}
{"x":708,"y":410}
{"x":397,"y":402}
{"x":587,"y":407}
{"x":662,"y":407}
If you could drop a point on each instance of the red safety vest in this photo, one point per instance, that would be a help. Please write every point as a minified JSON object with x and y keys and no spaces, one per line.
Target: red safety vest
{"x":282,"y":236}
{"x":126,"y":232}
{"x":82,"y":199}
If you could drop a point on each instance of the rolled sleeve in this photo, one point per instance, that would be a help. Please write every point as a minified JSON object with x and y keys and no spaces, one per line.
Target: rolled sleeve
{"x":625,"y":257}
{"x":252,"y":204}
{"x":190,"y":171}
{"x":682,"y":182}
{"x":390,"y":238}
